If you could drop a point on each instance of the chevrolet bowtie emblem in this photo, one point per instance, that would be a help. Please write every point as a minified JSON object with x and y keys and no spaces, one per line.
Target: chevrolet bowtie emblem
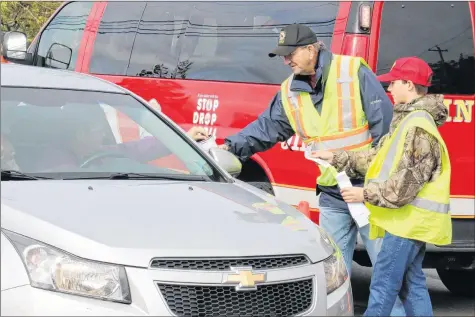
{"x":245,"y":278}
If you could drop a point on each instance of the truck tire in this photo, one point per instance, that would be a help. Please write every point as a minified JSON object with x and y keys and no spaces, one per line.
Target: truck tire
{"x":459,"y":282}
{"x":267,"y":187}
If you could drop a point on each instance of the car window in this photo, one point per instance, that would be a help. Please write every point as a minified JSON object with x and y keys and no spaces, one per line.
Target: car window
{"x":66,"y":28}
{"x":438,"y":32}
{"x":77,"y":132}
{"x":115,"y":37}
{"x":220,"y":41}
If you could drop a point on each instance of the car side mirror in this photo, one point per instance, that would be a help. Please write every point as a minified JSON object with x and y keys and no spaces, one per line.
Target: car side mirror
{"x":227,"y":160}
{"x":14,"y":46}
{"x":58,"y":56}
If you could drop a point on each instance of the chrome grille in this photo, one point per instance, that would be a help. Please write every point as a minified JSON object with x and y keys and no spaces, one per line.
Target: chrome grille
{"x":283,"y":299}
{"x":221,"y":264}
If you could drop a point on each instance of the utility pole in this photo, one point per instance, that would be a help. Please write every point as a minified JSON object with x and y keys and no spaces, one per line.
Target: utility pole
{"x":440,"y":52}
{"x":444,"y":68}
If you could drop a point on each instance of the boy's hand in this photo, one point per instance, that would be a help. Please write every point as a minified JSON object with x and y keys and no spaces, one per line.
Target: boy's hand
{"x":352,"y":194}
{"x":323,"y":155}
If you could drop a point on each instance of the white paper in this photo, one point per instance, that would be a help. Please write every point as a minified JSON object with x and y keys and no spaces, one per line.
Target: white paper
{"x":358,"y":211}
{"x":208,"y":143}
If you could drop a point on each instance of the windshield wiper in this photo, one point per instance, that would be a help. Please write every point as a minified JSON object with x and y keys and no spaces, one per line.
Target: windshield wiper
{"x":17,"y":175}
{"x":185,"y":177}
{"x":174,"y":177}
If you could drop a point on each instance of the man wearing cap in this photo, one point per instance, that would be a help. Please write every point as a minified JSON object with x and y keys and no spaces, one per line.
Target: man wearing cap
{"x":331,"y":102}
{"x":407,"y":189}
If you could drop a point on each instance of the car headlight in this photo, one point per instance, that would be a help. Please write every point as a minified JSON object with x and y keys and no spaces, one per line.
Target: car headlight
{"x":335,"y":269}
{"x":51,"y":269}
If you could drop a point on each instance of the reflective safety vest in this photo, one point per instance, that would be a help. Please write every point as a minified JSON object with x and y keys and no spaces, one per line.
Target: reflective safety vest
{"x":427,"y":218}
{"x":342,"y":123}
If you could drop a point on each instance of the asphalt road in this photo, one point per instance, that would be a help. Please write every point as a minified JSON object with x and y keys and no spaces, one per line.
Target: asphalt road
{"x":443,"y":302}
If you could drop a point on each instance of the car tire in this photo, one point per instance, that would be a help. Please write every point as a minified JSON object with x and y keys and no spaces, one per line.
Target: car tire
{"x":267,"y":187}
{"x":459,"y":282}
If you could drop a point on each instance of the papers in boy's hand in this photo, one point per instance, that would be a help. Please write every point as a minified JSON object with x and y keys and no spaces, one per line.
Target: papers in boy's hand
{"x":358,"y":211}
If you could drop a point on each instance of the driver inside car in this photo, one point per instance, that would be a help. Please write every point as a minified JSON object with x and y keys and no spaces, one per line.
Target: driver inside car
{"x":88,"y":142}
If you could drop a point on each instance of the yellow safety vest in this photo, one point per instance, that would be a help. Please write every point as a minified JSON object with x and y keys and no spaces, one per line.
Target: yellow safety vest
{"x":427,"y":218}
{"x":342,"y":123}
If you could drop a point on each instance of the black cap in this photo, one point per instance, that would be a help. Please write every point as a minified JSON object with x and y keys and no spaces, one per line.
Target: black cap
{"x":291,"y":37}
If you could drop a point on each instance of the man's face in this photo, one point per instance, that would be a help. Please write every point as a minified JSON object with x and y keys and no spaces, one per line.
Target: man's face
{"x":400,"y":90}
{"x":89,"y":139}
{"x":302,"y":60}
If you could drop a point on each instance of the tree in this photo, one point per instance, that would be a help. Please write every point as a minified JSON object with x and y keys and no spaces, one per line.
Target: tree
{"x":26,"y":16}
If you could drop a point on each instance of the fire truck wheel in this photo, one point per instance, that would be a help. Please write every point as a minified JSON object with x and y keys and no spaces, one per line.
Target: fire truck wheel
{"x":459,"y":282}
{"x":267,"y":187}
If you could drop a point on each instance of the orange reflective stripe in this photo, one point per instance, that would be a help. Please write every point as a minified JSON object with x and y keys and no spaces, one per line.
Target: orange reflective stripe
{"x":355,"y":146}
{"x":343,"y":134}
{"x":346,"y":142}
{"x":295,"y":101}
{"x":300,"y":104}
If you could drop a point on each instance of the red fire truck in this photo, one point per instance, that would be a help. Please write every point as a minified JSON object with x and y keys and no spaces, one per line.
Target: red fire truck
{"x":206,"y":64}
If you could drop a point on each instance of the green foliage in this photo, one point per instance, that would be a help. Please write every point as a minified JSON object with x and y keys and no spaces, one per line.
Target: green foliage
{"x":26,"y":16}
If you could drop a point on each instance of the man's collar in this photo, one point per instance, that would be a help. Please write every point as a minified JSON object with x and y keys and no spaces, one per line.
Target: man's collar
{"x":301,"y":82}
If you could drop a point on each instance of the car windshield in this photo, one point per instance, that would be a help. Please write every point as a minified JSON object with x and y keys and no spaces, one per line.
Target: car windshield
{"x":71,"y":134}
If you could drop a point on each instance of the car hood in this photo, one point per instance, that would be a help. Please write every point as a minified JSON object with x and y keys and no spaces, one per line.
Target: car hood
{"x":129,"y":222}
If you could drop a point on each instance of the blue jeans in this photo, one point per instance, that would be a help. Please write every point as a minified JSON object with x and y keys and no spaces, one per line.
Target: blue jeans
{"x":339,"y":224}
{"x":398,"y":271}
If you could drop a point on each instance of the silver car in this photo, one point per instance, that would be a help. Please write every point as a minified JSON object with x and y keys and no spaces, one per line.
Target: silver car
{"x":110,"y":208}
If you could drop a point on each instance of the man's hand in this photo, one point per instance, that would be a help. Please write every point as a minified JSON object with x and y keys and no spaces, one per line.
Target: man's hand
{"x":198,"y":133}
{"x":352,"y":194}
{"x":224,"y":147}
{"x":323,"y":155}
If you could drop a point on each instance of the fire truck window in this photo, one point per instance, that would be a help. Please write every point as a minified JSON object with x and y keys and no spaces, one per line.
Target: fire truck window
{"x":115,"y":37}
{"x":158,"y":39}
{"x":438,"y":32}
{"x":66,"y":28}
{"x":222,"y":41}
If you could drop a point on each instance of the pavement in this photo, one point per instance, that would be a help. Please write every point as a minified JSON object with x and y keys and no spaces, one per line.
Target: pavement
{"x":443,"y":302}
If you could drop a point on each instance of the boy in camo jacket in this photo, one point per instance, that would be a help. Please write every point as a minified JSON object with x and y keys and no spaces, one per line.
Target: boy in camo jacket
{"x":399,"y":273}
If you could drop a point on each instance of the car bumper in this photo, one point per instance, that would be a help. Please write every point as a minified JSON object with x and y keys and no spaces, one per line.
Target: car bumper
{"x":146,"y":300}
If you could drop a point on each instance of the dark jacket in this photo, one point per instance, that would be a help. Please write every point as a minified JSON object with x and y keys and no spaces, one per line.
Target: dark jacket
{"x":272,"y":126}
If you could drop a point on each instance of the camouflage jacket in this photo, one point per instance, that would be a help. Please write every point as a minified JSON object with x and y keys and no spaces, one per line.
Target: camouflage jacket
{"x":420,"y":163}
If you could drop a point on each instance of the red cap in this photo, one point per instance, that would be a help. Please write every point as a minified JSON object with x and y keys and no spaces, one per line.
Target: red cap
{"x":409,"y":68}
